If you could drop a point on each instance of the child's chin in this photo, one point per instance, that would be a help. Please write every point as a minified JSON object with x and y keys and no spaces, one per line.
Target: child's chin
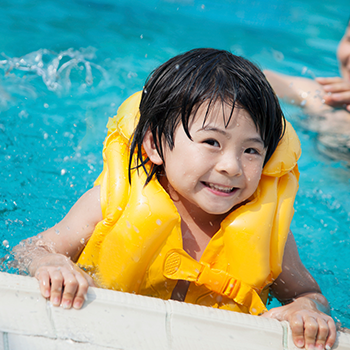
{"x":217,"y":211}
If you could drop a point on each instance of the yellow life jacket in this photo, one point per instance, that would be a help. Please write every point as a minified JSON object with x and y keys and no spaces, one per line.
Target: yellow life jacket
{"x":138,"y":246}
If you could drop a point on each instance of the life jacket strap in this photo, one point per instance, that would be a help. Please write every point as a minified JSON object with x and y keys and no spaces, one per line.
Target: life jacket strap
{"x":178,"y":265}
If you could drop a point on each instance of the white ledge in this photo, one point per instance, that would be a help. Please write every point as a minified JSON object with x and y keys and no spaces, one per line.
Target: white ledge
{"x":115,"y":320}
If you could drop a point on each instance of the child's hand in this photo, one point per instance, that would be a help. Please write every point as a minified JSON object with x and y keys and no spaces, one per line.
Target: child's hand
{"x":337,"y":92}
{"x":62,"y":281}
{"x":310,"y":327}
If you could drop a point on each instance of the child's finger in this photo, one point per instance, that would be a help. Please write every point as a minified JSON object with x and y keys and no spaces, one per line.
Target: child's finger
{"x":322,"y":334}
{"x":332,"y":333}
{"x":310,"y":333}
{"x":56,"y":286}
{"x":297,"y":328}
{"x":70,"y":288}
{"x":44,"y":282}
{"x":83,"y":285}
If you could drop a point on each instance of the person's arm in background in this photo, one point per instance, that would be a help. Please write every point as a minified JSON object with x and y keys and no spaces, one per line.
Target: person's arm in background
{"x":303,"y":92}
{"x":317,"y":96}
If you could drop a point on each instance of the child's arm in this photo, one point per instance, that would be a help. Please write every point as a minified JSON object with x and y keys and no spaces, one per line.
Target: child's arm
{"x":306,"y":308}
{"x":50,"y":256}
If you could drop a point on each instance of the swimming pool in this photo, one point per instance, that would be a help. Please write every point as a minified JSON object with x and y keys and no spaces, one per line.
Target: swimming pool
{"x":51,"y":129}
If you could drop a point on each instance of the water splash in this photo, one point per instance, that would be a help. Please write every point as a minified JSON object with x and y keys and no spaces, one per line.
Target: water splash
{"x":308,"y":72}
{"x":55,"y":68}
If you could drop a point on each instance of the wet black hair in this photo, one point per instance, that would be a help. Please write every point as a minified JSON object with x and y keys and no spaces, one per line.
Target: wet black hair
{"x":175,"y":90}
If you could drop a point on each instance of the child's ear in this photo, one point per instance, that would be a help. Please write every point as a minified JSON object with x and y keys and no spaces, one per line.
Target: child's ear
{"x":149,"y":146}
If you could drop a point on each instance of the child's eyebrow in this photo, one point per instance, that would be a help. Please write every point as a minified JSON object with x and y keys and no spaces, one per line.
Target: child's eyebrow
{"x":212,"y":128}
{"x":256,"y":139}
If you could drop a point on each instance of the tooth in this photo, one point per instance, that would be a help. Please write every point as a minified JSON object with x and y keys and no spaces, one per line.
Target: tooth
{"x":220,"y":188}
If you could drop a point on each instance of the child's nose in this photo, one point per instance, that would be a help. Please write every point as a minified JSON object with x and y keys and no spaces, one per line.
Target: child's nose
{"x":230,"y":165}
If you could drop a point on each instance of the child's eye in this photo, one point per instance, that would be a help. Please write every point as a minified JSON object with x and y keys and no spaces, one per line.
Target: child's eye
{"x":212,"y":142}
{"x":251,"y":151}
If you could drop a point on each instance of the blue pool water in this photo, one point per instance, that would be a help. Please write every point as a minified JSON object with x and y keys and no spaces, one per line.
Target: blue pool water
{"x":52,"y":123}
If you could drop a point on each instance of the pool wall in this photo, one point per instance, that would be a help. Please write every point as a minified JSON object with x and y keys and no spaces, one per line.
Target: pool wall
{"x":116,"y":320}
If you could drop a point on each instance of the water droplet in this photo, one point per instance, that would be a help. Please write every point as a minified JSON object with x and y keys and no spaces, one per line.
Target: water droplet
{"x":278,"y":55}
{"x":136,"y":258}
{"x":5,"y":243}
{"x":63,"y":171}
{"x":159,"y":222}
{"x":82,"y":241}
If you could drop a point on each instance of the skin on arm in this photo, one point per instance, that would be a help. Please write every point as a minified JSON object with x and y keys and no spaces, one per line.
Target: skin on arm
{"x":316,"y":96}
{"x":50,"y":256}
{"x":306,"y":309}
{"x":296,"y":90}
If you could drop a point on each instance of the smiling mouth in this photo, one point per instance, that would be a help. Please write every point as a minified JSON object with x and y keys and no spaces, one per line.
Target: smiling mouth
{"x":219,"y":188}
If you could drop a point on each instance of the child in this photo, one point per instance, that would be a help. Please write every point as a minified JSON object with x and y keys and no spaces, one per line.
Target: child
{"x":196,"y":207}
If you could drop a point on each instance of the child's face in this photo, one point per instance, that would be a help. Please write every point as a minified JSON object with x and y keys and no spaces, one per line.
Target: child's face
{"x":220,"y":168}
{"x":343,"y":54}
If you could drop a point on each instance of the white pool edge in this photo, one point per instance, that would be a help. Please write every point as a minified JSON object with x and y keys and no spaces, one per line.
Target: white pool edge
{"x":115,"y":320}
